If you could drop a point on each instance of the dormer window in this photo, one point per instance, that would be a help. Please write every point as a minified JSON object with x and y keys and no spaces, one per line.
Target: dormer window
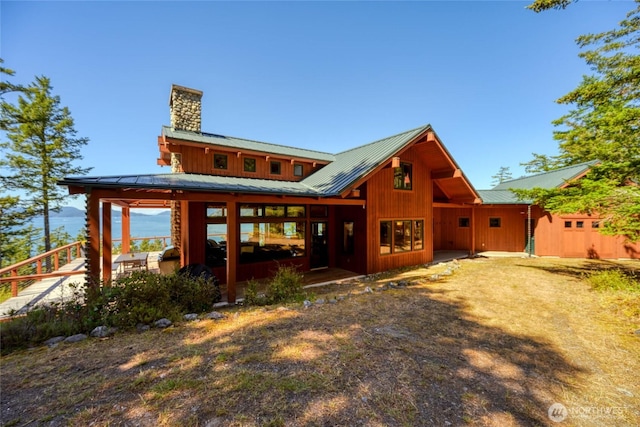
{"x":403,"y":177}
{"x":275,"y":167}
{"x":297,"y":169}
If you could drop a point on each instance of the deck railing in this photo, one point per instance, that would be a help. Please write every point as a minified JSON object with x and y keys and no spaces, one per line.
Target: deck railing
{"x":58,"y":257}
{"x":25,"y":273}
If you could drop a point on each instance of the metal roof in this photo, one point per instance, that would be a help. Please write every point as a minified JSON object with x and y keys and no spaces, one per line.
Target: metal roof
{"x":246,"y":144}
{"x":354,"y":164}
{"x":552,"y":179}
{"x":195,"y":182}
{"x":500,"y":197}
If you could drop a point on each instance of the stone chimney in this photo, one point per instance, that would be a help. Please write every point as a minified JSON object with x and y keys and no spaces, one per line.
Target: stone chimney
{"x":185,"y":107}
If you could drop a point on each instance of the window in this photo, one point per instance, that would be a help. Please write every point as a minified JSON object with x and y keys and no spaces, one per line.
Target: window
{"x":298,"y":170}
{"x":567,"y":224}
{"x":249,"y":164}
{"x":296,"y":211}
{"x":220,"y":161}
{"x":385,"y":237}
{"x":463,"y":222}
{"x":402,"y":177}
{"x":595,"y":224}
{"x":579,"y":224}
{"x":251,"y":210}
{"x":275,"y":168}
{"x":276,"y":211}
{"x":400,"y":236}
{"x":216,"y":211}
{"x":268,"y":241}
{"x":495,"y":222}
{"x":418,"y":234}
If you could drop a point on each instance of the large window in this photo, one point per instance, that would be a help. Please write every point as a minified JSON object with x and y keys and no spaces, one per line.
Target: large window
{"x":400,"y":236}
{"x":272,"y":232}
{"x":403,"y":177}
{"x":216,"y":241}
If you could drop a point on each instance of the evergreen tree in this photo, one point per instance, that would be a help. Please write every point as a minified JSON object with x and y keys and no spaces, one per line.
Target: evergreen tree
{"x":504,"y":174}
{"x":41,"y":149}
{"x":603,"y":125}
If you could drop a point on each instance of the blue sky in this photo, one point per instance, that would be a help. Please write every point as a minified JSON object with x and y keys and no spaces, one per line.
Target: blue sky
{"x":326,"y":76}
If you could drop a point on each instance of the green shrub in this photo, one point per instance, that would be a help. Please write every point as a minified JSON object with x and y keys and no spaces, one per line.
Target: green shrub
{"x":285,"y":286}
{"x":614,"y":280}
{"x":143,"y":297}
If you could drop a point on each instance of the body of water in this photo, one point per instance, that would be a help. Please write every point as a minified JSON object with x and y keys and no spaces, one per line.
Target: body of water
{"x":141,"y":225}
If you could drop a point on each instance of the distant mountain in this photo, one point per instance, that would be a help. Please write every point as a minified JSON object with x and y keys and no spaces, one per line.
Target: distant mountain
{"x":71,"y":212}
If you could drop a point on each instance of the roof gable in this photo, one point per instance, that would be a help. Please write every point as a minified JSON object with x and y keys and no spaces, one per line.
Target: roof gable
{"x":353,"y":165}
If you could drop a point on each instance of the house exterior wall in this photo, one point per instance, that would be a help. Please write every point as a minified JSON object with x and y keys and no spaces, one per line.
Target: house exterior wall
{"x":386,"y":203}
{"x":509,"y":235}
{"x":575,"y":236}
{"x":449,"y":232}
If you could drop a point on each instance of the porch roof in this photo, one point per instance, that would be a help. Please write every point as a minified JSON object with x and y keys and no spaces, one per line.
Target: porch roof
{"x":195,"y":182}
{"x":500,"y":197}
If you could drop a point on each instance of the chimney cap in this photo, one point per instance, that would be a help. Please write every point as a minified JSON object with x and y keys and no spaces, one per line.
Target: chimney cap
{"x":178,"y":88}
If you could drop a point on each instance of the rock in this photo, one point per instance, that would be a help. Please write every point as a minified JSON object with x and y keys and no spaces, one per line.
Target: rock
{"x":102,"y":331}
{"x":215,"y":315}
{"x":191,"y":316}
{"x":75,"y":338}
{"x":368,"y":290}
{"x":320,"y":301}
{"x":306,"y":303}
{"x":142,"y":328}
{"x":333,"y":301}
{"x":403,"y":284}
{"x":162,"y":323}
{"x":52,"y":342}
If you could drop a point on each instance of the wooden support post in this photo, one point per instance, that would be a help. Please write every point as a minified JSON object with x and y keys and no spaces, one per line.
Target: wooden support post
{"x":472,"y":252}
{"x":233,"y":241}
{"x":126,"y":230}
{"x":107,"y":246}
{"x":93,"y":240}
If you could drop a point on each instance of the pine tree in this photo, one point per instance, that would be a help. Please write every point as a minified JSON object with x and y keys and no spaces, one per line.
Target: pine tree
{"x":504,"y":174}
{"x":41,"y":149}
{"x":603,"y":125}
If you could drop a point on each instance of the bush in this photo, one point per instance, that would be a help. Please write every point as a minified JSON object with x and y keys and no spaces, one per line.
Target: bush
{"x":285,"y":286}
{"x":143,"y":297}
{"x":614,"y":280}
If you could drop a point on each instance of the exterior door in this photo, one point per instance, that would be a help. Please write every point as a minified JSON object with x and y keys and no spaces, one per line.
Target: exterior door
{"x":319,"y":245}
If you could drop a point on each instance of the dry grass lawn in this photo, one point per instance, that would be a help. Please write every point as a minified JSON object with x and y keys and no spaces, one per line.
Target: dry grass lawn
{"x":495,"y":344}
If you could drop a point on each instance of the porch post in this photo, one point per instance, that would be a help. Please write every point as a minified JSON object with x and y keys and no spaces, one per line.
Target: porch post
{"x":106,"y":243}
{"x":126,"y":230}
{"x":473,"y":231}
{"x":233,"y":238}
{"x":92,"y":251}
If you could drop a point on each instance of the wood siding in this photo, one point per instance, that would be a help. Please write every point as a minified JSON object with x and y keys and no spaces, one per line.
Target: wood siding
{"x":553,"y":238}
{"x":201,"y":160}
{"x":447,"y":232}
{"x":510,"y":236}
{"x":386,"y":203}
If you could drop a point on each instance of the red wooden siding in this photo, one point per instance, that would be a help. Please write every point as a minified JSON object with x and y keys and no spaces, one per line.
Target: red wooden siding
{"x":510,"y":236}
{"x":447,"y":233}
{"x":554,"y":239}
{"x":200,"y":160}
{"x":386,"y":203}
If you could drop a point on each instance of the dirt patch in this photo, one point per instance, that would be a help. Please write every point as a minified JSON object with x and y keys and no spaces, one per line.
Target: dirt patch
{"x":496,"y":343}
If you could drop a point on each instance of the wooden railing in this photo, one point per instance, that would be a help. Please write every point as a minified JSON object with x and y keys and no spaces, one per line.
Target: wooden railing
{"x":11,"y":273}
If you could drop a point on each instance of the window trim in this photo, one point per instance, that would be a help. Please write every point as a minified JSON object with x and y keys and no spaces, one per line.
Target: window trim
{"x":244,"y":164}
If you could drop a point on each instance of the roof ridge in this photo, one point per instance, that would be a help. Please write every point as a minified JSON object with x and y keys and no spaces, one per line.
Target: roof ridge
{"x":383,"y":139}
